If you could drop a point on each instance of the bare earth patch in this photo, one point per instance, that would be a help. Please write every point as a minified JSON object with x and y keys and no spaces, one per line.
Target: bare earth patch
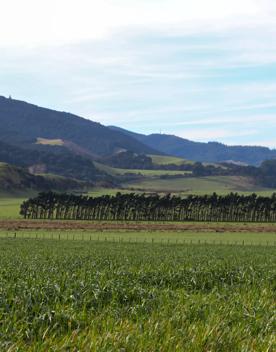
{"x":134,"y":226}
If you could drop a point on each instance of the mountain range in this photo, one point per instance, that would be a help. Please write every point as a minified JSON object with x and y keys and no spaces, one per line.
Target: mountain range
{"x":23,"y":124}
{"x":212,"y":152}
{"x":45,"y":141}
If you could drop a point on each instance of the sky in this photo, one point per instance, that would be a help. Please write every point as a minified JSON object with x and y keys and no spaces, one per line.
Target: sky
{"x":204,"y":70}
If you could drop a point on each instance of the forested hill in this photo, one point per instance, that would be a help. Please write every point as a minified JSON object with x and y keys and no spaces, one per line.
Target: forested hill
{"x":60,"y":163}
{"x":22,"y":123}
{"x":14,"y":179}
{"x":204,"y":152}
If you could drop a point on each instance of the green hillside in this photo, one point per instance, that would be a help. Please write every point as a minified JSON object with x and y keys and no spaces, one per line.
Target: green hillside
{"x":58,"y":161}
{"x":153,"y":173}
{"x":23,"y":123}
{"x":166,"y":160}
{"x":16,"y":180}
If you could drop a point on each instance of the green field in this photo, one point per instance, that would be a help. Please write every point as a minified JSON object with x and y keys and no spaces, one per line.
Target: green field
{"x":9,"y":207}
{"x":152,"y":237}
{"x":200,"y":185}
{"x":104,"y":296}
{"x":153,"y":173}
{"x":165,"y":160}
{"x":10,"y":203}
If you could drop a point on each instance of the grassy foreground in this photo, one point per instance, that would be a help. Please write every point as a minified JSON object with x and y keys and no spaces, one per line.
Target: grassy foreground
{"x":104,"y":296}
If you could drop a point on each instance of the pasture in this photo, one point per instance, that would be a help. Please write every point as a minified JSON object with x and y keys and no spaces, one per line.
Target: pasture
{"x":9,"y":207}
{"x":165,"y":160}
{"x":10,"y":202}
{"x":59,"y":295}
{"x":154,"y":236}
{"x":139,"y":172}
{"x":200,"y":185}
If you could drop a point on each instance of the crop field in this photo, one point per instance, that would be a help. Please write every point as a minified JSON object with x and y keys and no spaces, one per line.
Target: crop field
{"x":105,"y":296}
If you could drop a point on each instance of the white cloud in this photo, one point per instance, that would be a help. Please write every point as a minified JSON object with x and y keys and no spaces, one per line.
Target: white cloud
{"x":48,"y":22}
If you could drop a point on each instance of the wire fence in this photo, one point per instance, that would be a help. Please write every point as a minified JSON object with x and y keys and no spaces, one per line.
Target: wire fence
{"x":67,"y":236}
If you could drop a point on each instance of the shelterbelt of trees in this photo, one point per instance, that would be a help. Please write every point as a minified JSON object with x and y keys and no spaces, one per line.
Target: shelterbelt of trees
{"x":139,"y":207}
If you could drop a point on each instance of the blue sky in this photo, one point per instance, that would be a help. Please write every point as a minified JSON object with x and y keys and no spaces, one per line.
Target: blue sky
{"x":203,"y":70}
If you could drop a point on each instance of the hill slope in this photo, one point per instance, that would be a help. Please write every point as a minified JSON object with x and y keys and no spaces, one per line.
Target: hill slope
{"x":59,"y":161}
{"x":205,"y":152}
{"x":13,"y":178}
{"x":22,"y":123}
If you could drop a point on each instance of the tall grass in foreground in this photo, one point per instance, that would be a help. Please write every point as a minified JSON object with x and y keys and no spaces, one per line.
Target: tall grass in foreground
{"x":82,"y":296}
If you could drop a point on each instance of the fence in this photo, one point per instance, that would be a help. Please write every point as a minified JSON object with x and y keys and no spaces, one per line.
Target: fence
{"x":92,"y":237}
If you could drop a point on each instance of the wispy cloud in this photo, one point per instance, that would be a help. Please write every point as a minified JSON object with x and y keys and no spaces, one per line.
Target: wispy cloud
{"x":32,"y":22}
{"x":202,"y":69}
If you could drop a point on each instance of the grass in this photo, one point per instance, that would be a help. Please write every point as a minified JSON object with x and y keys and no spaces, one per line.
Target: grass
{"x":101,"y":296}
{"x":152,"y":173}
{"x":9,"y":206}
{"x":172,"y":237}
{"x":201,"y":185}
{"x":165,"y":160}
{"x":10,"y":202}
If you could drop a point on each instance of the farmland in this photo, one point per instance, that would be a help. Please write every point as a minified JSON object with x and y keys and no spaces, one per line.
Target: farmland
{"x":147,"y":234}
{"x":151,"y":173}
{"x":200,"y":185}
{"x":104,"y":296}
{"x":135,"y":285}
{"x":165,"y":160}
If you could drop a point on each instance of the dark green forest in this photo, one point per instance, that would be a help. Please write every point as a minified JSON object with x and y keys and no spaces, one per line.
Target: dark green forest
{"x":59,"y":162}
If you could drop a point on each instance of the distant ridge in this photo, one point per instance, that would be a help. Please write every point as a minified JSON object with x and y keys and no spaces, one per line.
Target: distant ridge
{"x":22,"y":123}
{"x":213,"y":152}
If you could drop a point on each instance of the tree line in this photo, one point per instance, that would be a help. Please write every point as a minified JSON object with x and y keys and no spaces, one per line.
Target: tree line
{"x":141,"y":207}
